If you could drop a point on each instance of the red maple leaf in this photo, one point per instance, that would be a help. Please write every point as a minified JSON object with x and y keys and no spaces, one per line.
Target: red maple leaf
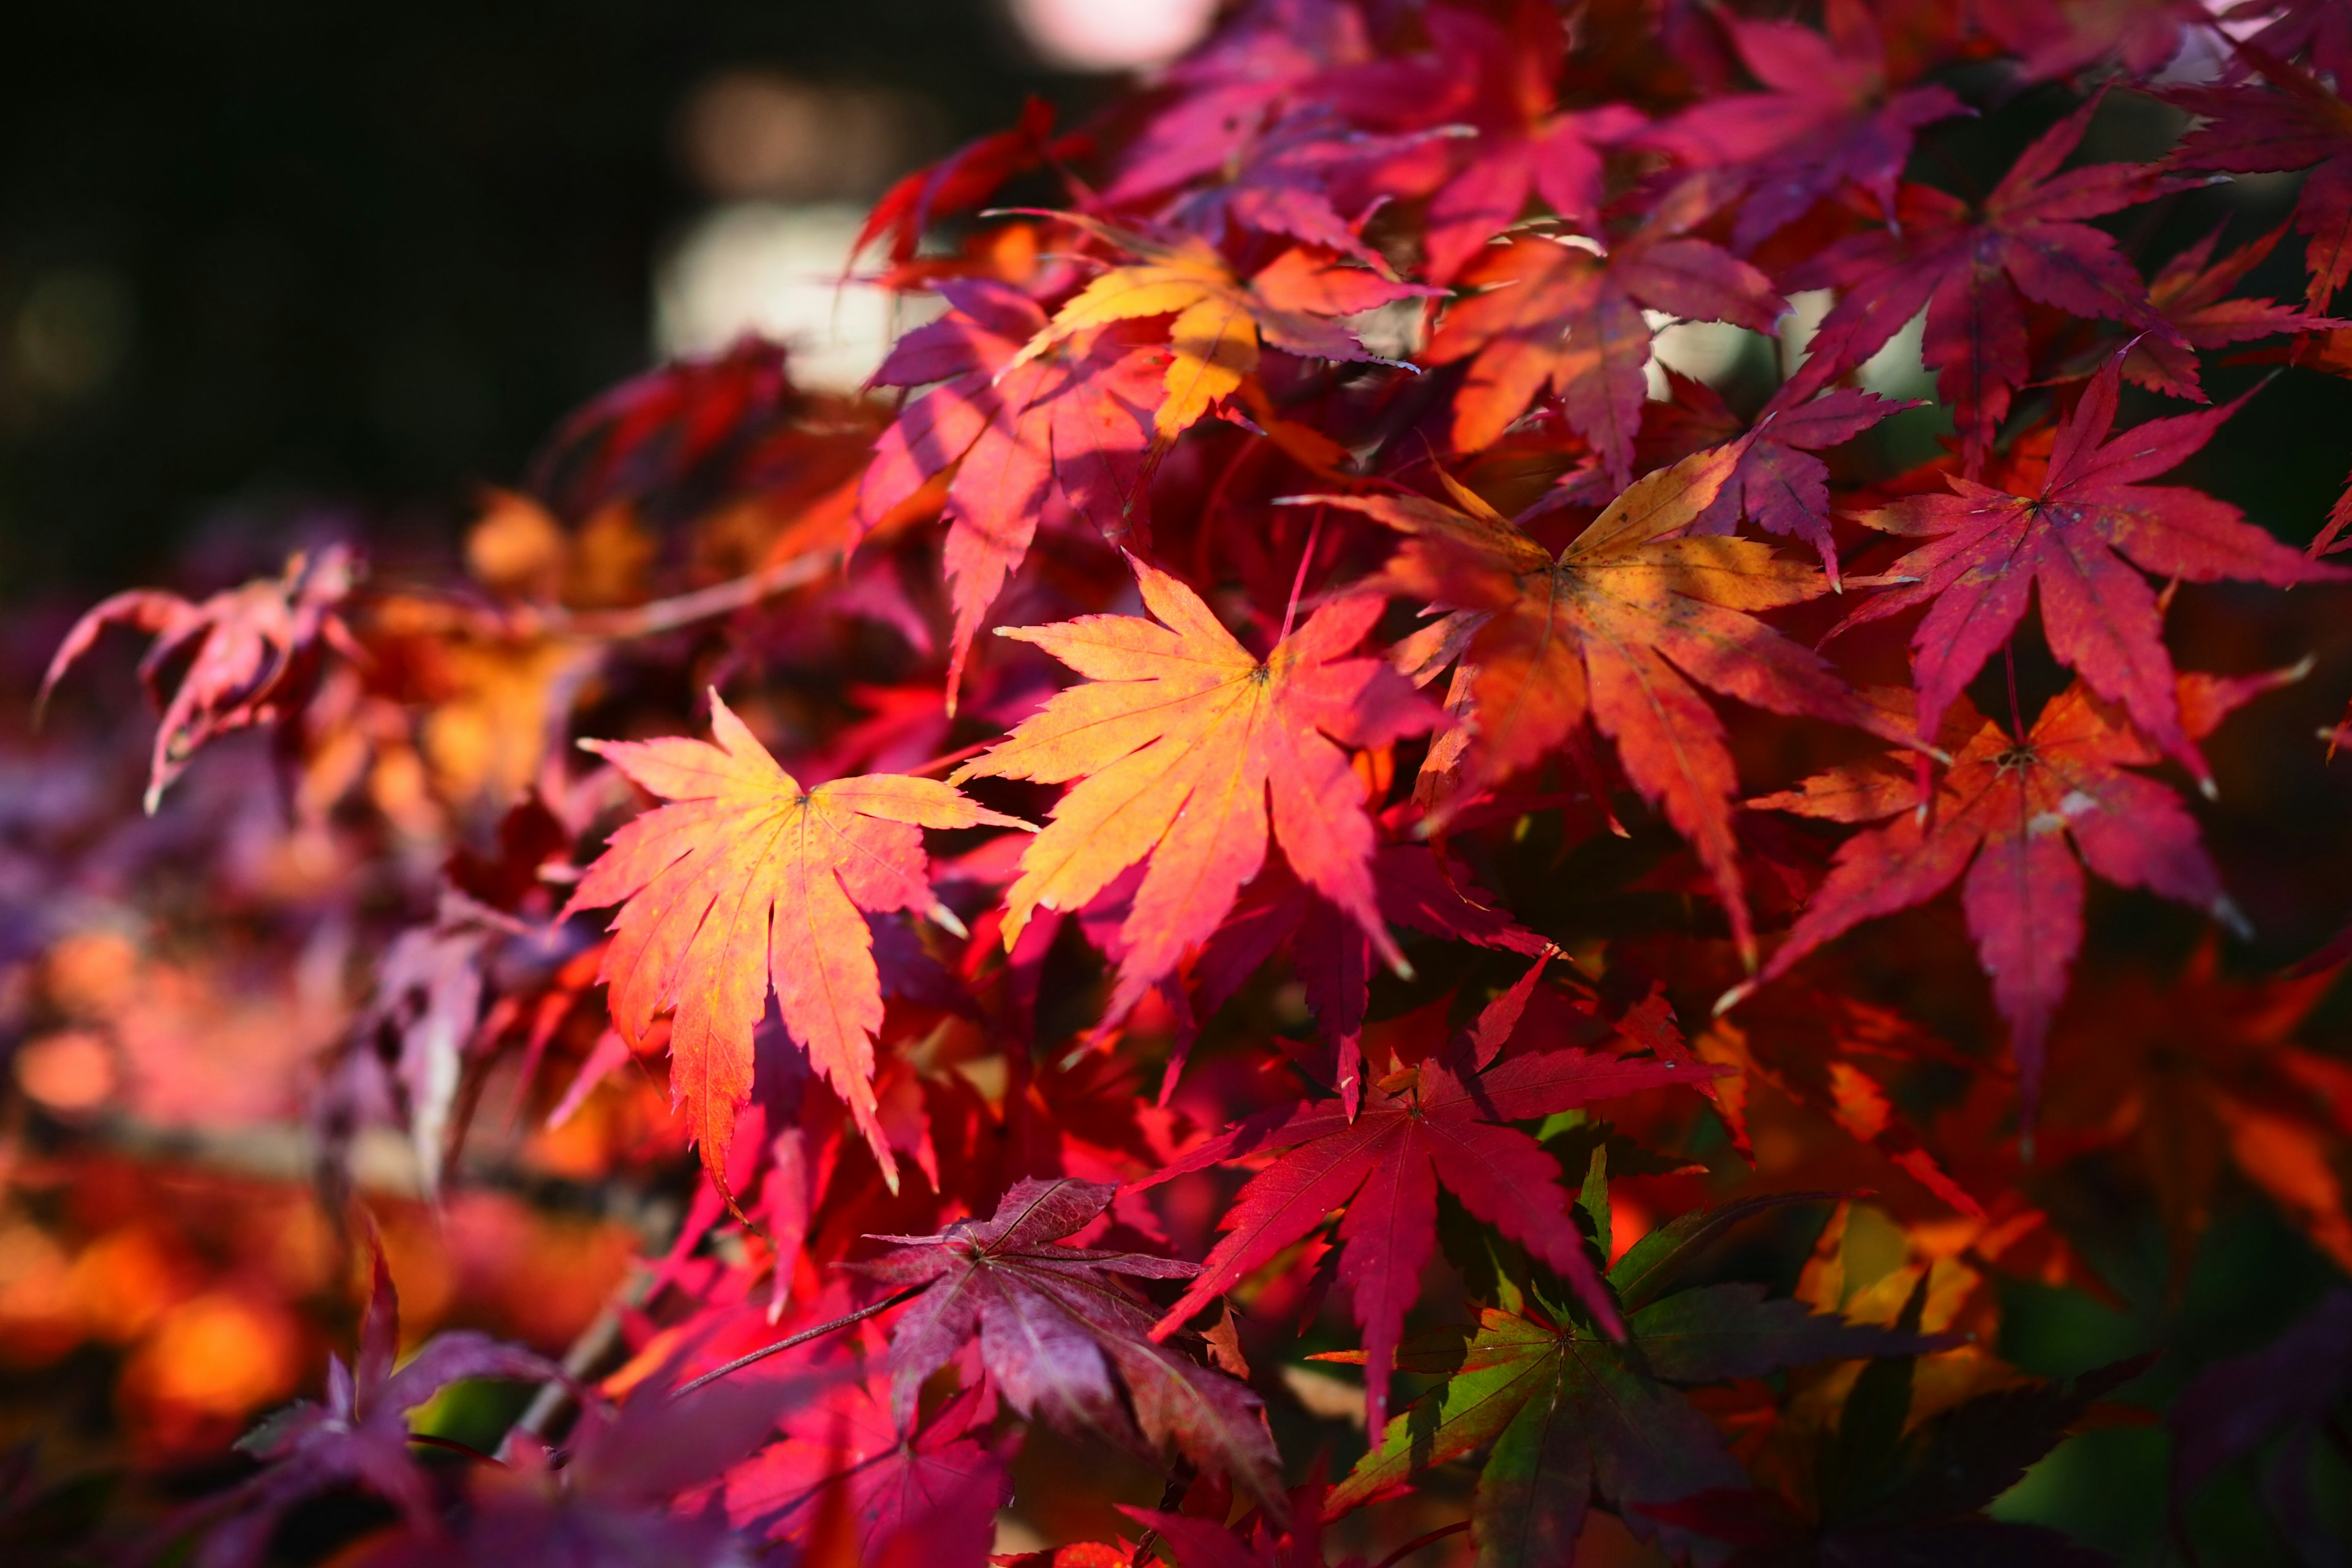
{"x":2192,"y":292}
{"x":1051,"y":443}
{"x":1503,"y":82}
{"x":246,"y":648}
{"x":962,"y":180}
{"x":926,"y":1494}
{"x":1971,"y":265}
{"x":1779,"y":485}
{"x":1568,"y":317}
{"x":2299,"y":124}
{"x":2079,"y":529}
{"x":2005,"y":813}
{"x":1830,"y":115}
{"x":1439,"y":1124}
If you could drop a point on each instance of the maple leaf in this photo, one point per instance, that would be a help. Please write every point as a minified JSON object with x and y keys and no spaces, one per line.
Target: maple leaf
{"x":1830,"y":115}
{"x":1180,"y":741}
{"x":245,"y":648}
{"x":359,"y":1437}
{"x":2182,"y":1076}
{"x":1266,"y":56}
{"x":1291,"y":182}
{"x":1567,"y":1412}
{"x":2078,"y":530}
{"x":1052,"y":442}
{"x":1562,"y":316}
{"x":1219,"y":319}
{"x":2300,"y":124}
{"x":1505,"y":77}
{"x":1802,"y":1041}
{"x":2192,"y":292}
{"x":1779,"y":485}
{"x":1969,"y":267}
{"x":962,"y":181}
{"x":1613,"y":632}
{"x":746,"y":880}
{"x":2291,"y":27}
{"x":1437,"y":1125}
{"x":1053,"y":1326}
{"x":2005,"y":812}
{"x":2060,"y":39}
{"x":929,"y":1493}
{"x":677,"y":425}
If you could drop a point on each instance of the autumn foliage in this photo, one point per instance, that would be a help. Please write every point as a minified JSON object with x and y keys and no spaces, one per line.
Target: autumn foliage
{"x":1505,"y":798}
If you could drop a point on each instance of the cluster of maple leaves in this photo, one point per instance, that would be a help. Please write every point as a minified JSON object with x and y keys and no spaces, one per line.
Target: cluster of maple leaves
{"x":1364,"y":572}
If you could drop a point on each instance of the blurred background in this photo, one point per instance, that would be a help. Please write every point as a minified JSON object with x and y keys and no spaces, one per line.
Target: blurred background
{"x":260,"y":256}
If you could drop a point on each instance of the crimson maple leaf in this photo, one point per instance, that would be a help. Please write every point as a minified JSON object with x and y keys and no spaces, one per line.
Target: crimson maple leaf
{"x":1052,"y":442}
{"x":1291,"y":182}
{"x":1830,"y":115}
{"x":1613,"y":632}
{"x":1778,"y":485}
{"x":1971,"y":265}
{"x":746,"y":880}
{"x":1502,"y":78}
{"x":2061,"y":38}
{"x":1179,"y":741}
{"x":1270,"y":56}
{"x":2299,"y":124}
{"x":2291,"y":27}
{"x":1560,"y":315}
{"x":2079,"y":529}
{"x":929,"y":1494}
{"x":962,"y":181}
{"x":245,"y":648}
{"x":2005,"y":813}
{"x":2192,"y":292}
{"x":1437,"y":1125}
{"x":1053,"y":1327}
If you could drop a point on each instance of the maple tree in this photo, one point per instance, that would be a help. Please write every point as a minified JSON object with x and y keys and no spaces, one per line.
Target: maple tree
{"x":1322,"y":1040}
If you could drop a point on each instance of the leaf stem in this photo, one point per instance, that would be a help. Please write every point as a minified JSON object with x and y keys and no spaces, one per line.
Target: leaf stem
{"x":764,"y":1351}
{"x":1298,"y":583}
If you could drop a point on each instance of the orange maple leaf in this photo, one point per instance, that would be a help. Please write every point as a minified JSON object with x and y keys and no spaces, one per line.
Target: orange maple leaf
{"x":1178,"y":740}
{"x":1220,"y":318}
{"x":1620,"y":631}
{"x":748,"y":878}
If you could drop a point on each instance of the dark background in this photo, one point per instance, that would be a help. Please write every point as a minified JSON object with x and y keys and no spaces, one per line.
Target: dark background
{"x":258,"y":256}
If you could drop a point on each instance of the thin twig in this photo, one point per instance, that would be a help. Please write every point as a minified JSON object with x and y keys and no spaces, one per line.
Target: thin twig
{"x":764,"y":1351}
{"x":1418,"y":1542}
{"x":2016,"y":712}
{"x":527,"y":623}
